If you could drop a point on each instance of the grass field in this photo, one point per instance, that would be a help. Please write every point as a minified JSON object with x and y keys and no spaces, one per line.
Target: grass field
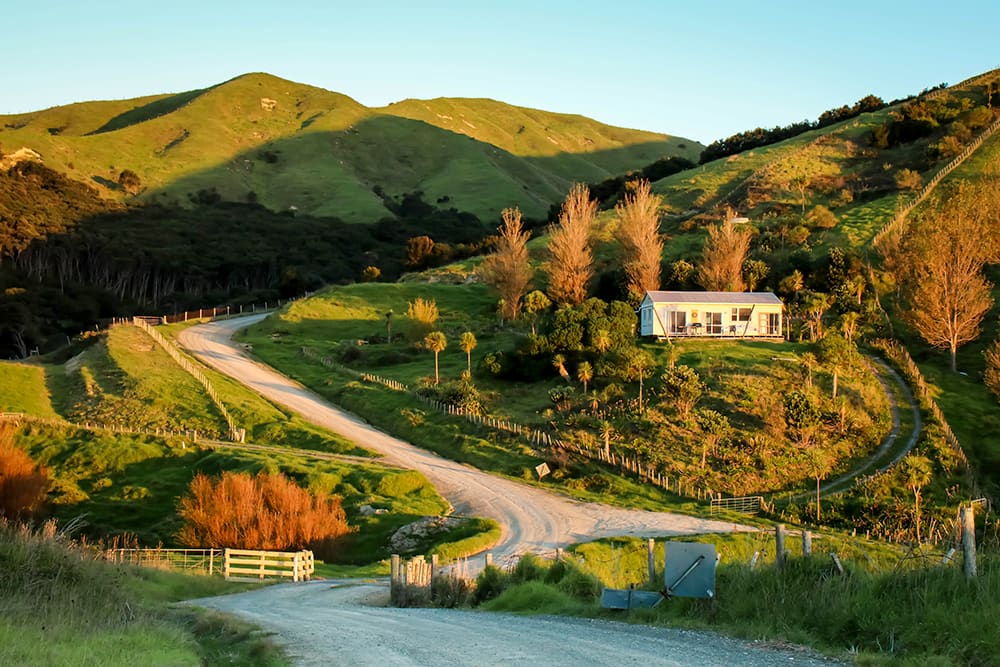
{"x":23,"y":389}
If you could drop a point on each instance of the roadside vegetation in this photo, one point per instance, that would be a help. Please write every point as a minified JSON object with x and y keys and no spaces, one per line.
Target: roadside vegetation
{"x":63,"y":605}
{"x":891,"y":606}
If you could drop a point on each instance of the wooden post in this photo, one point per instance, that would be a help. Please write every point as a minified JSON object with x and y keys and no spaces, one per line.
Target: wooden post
{"x":211,"y":562}
{"x":559,"y":554}
{"x":295,"y":566}
{"x":489,"y":559}
{"x":969,"y":542}
{"x":434,"y":567}
{"x":836,"y":563}
{"x":225,"y":563}
{"x":779,"y":545}
{"x":394,"y":579}
{"x":650,"y":560}
{"x":807,"y":543}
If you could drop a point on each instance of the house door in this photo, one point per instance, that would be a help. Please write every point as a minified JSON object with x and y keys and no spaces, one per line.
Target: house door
{"x":678,"y":321}
{"x":713,"y":323}
{"x":769,"y":324}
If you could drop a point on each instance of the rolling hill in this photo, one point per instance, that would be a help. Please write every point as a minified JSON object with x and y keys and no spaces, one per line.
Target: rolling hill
{"x":283,"y":144}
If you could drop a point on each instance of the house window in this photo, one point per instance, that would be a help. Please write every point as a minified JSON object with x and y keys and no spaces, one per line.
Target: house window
{"x":713,"y":323}
{"x":741,"y":314}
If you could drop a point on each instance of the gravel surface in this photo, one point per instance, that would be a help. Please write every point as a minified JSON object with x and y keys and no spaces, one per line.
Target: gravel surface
{"x":532,"y":519}
{"x":345,"y":623}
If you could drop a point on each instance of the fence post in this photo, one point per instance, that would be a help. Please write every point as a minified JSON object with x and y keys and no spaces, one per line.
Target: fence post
{"x":394,"y":579}
{"x":225,"y":563}
{"x":650,"y":559}
{"x":807,"y":544}
{"x":489,"y":559}
{"x":779,"y":545}
{"x":211,"y":562}
{"x":968,"y":542}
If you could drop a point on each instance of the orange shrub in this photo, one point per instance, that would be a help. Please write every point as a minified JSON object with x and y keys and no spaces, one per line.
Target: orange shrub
{"x":265,"y":511}
{"x":22,"y":483}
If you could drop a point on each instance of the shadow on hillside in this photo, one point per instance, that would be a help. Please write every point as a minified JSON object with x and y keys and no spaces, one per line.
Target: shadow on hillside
{"x":367,"y":166}
{"x":145,"y":112}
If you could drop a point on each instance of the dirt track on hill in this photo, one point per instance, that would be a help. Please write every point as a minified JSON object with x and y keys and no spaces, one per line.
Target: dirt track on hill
{"x":343,"y":623}
{"x":532,"y":519}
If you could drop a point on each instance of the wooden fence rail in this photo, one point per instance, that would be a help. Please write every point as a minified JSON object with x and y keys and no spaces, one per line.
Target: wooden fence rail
{"x":248,"y":564}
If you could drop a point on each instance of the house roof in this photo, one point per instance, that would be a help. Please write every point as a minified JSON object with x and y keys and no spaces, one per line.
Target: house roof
{"x":727,"y":298}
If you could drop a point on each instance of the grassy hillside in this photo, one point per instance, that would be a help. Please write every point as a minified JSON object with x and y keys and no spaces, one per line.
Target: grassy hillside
{"x":131,"y":482}
{"x":323,"y":153}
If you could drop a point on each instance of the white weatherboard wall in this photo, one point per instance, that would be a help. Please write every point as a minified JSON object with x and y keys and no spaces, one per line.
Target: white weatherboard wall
{"x":664,"y":314}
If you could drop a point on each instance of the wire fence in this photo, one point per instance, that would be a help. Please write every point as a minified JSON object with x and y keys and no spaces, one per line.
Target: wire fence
{"x":898,"y":222}
{"x":534,"y":436}
{"x":235,"y":434}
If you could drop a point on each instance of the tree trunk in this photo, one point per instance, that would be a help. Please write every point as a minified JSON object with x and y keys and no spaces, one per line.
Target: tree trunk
{"x":916,"y":503}
{"x":836,"y":379}
{"x":817,"y":499}
{"x":954,"y":353}
{"x":436,"y":379}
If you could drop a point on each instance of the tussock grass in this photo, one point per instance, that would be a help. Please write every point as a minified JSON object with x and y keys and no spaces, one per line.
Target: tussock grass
{"x":63,"y":606}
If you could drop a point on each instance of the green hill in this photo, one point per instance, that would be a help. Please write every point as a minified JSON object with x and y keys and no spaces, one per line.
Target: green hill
{"x":293,"y":145}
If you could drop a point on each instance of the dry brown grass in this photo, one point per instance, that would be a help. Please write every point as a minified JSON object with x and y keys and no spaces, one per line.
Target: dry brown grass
{"x":23,"y":484}
{"x":266,"y":511}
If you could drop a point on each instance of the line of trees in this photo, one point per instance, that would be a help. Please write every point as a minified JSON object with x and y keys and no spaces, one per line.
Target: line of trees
{"x":757,"y":137}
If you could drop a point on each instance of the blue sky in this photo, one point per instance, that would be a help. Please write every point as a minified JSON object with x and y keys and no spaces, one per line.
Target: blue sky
{"x":702,"y":70}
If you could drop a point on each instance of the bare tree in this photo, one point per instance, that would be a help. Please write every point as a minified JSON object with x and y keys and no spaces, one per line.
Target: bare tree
{"x":948,"y":295}
{"x":638,"y":232}
{"x":722,"y":258}
{"x":570,"y":264}
{"x":507,"y":269}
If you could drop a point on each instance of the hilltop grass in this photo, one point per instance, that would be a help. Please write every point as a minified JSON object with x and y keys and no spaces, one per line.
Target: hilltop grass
{"x":61,"y":606}
{"x":476,"y":155}
{"x":893,"y":606}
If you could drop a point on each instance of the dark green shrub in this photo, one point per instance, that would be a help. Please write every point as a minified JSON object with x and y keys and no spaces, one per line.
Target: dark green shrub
{"x":529,"y":568}
{"x":490,"y":583}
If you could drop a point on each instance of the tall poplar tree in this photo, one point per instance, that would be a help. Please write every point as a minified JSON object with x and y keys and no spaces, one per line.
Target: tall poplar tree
{"x":638,"y":232}
{"x":507,"y":270}
{"x":571,"y":262}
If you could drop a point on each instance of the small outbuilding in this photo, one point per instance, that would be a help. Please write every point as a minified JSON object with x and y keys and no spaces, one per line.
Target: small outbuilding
{"x":715,"y":314}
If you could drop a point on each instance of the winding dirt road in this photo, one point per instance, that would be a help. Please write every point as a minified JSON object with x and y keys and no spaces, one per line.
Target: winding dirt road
{"x":531,"y":519}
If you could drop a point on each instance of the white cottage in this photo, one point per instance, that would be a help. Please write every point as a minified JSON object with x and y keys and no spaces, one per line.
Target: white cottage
{"x":722,"y":314}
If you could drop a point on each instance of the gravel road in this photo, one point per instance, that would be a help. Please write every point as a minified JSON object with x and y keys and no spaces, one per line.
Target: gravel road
{"x":344,"y":623}
{"x":532,"y":519}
